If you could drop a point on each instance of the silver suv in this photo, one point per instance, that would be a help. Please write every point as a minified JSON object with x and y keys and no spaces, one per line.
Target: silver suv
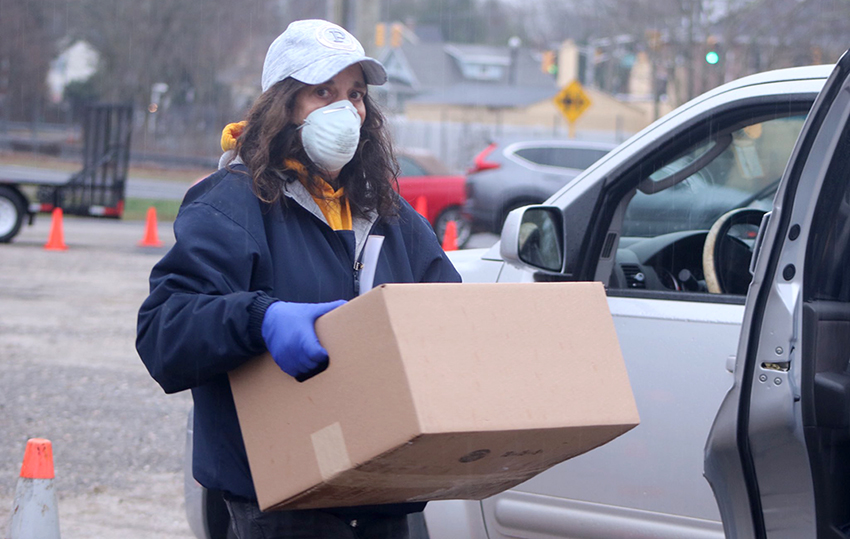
{"x":738,"y":361}
{"x":511,"y":173}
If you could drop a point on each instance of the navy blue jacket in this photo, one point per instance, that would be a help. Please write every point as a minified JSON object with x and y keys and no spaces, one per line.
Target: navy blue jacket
{"x":233,"y":257}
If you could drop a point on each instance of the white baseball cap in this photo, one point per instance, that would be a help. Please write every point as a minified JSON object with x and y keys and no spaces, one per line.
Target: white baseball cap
{"x":313,"y":51}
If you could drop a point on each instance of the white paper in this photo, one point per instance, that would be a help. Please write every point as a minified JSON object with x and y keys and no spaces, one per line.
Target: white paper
{"x":370,"y":262}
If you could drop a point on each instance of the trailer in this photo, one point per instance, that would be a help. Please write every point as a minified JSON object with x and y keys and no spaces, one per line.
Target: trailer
{"x":97,"y":190}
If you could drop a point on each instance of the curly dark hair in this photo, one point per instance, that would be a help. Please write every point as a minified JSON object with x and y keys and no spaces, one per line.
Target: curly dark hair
{"x":271,"y":136}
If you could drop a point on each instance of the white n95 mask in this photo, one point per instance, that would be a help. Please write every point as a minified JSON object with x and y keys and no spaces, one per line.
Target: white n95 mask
{"x":330,"y":135}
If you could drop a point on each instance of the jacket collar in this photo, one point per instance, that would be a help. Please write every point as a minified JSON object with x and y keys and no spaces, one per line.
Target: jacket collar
{"x":295,"y":190}
{"x":361,"y":226}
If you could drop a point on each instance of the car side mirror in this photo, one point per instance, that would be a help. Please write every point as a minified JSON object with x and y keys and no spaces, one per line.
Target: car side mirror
{"x":534,"y":236}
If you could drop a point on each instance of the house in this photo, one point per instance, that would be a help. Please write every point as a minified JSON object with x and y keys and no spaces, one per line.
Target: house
{"x":76,"y":63}
{"x":501,"y":86}
{"x":427,"y":68}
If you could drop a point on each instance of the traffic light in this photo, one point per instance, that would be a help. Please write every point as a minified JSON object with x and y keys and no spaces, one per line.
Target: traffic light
{"x":380,"y":34}
{"x":549,"y":63}
{"x":396,"y":37}
{"x":712,"y":57}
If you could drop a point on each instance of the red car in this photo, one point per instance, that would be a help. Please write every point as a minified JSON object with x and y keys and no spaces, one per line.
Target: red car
{"x":428,"y":185}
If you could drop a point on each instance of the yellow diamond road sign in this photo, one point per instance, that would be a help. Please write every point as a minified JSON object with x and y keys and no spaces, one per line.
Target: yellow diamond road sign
{"x":572,"y":101}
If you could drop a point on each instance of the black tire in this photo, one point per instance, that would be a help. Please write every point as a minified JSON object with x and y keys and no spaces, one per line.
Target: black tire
{"x":464,"y":227}
{"x":12,"y":212}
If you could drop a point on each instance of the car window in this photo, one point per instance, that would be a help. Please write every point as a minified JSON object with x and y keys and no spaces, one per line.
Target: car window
{"x":409,"y":168}
{"x":670,"y":219}
{"x":744,"y":174}
{"x":579,"y":158}
{"x":554,"y":156}
{"x":537,"y":155}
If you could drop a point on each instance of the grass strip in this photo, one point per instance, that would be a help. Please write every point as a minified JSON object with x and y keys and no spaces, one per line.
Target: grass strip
{"x":136,"y":209}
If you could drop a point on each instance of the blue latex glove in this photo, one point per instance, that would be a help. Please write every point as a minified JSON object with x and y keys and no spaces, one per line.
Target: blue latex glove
{"x":290,"y":335}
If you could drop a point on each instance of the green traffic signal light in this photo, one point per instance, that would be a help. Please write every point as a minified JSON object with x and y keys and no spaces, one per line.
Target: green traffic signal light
{"x":712,"y":57}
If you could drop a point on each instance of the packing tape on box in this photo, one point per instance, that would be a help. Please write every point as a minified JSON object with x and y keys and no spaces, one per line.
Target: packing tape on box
{"x":331,"y":452}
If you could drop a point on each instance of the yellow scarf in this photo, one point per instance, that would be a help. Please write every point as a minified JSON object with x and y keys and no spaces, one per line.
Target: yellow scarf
{"x":332,"y":202}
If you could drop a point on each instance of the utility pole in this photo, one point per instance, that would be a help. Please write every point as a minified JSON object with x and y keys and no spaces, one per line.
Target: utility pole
{"x":690,"y":14}
{"x":336,"y":11}
{"x":358,"y":17}
{"x":513,"y":46}
{"x":368,"y":16}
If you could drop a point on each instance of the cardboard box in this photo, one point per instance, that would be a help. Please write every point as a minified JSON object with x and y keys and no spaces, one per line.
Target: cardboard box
{"x":437,"y":391}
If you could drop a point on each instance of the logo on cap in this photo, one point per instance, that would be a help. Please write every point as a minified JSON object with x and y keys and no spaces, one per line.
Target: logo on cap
{"x":334,"y":37}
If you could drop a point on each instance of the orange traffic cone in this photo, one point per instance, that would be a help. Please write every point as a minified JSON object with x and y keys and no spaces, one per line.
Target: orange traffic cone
{"x":56,"y":239}
{"x":450,"y":237}
{"x":151,"y":238}
{"x":35,"y":511}
{"x":422,"y":206}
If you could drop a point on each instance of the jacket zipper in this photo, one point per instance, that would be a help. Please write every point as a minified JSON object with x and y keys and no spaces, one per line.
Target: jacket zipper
{"x":357,"y":267}
{"x":357,"y":264}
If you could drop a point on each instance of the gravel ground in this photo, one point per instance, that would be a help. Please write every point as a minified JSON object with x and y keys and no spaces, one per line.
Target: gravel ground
{"x":69,"y":372}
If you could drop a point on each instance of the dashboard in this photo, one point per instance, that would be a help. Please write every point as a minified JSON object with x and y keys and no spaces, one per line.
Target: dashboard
{"x":670,"y":262}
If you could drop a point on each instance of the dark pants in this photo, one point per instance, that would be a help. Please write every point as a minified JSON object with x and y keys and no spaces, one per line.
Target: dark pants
{"x":248,"y":522}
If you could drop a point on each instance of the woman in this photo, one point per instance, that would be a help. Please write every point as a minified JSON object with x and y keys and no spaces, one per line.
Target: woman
{"x":271,"y":242}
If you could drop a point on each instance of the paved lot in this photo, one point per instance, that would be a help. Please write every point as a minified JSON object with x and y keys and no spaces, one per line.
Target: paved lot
{"x":69,"y":373}
{"x":137,"y":186}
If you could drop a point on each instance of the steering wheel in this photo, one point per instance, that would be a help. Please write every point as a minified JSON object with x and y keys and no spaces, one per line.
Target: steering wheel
{"x":725,"y":257}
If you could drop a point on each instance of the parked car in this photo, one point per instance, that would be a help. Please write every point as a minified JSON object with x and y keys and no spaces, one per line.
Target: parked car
{"x":424,"y":177}
{"x":511,"y":173}
{"x":692,"y":323}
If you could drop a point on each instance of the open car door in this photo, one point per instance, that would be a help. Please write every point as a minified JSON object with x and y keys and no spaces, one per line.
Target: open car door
{"x":778,"y":454}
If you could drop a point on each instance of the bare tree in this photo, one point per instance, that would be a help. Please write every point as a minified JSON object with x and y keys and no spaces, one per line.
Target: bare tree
{"x":184,"y":48}
{"x":460,"y":21}
{"x":748,"y":35}
{"x":769,"y":34}
{"x":183,"y":44}
{"x":26,"y":49}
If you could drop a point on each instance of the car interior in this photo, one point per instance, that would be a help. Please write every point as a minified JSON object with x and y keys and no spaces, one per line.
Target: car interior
{"x":687,"y":227}
{"x":826,"y":341}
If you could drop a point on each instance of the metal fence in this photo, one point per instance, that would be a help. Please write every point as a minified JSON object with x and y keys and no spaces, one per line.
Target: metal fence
{"x":456,"y":144}
{"x":173,"y":143}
